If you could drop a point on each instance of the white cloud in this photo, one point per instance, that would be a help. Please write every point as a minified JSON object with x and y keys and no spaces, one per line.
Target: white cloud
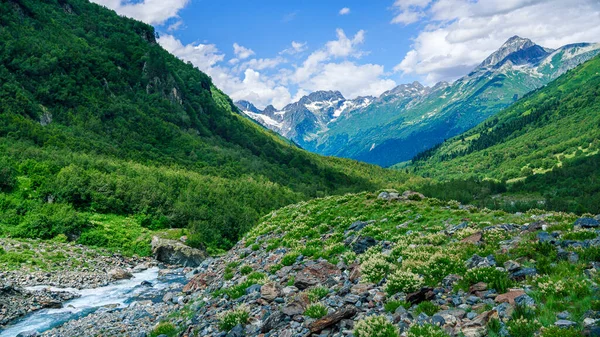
{"x":154,"y":12}
{"x":344,"y":11}
{"x":265,"y":81}
{"x":296,"y":48}
{"x":461,"y":33}
{"x":241,"y":52}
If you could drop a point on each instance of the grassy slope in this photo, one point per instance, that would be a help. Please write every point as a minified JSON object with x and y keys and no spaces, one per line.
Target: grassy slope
{"x":97,"y":118}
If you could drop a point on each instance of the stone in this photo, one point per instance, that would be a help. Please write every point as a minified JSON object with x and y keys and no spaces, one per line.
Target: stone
{"x":424,"y":294}
{"x":544,"y":237}
{"x":199,"y":282}
{"x":28,"y":334}
{"x":522,"y":274}
{"x":587,"y":223}
{"x":272,"y":321}
{"x":176,"y":253}
{"x":332,"y":319}
{"x":237,"y":331}
{"x":565,"y":324}
{"x":168,"y":297}
{"x":450,"y":280}
{"x":119,"y":274}
{"x":480,"y":286}
{"x":315,"y":274}
{"x":363,"y":244}
{"x":255,"y":288}
{"x":473,"y":238}
{"x":511,"y":266}
{"x":563,"y":315}
{"x":269,"y":292}
{"x":477,"y":261}
{"x":510,"y":296}
{"x":524,"y":301}
{"x":357,"y":226}
{"x":412,"y":195}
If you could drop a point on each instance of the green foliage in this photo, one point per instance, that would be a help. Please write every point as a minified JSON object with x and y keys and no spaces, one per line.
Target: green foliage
{"x":315,"y":294}
{"x":391,"y":306}
{"x":555,"y":331}
{"x":233,"y":318}
{"x":427,"y":307}
{"x":403,"y":281}
{"x":245,"y":270}
{"x":495,"y":279}
{"x":540,"y":152}
{"x":426,"y":330}
{"x":164,"y":328}
{"x":316,"y":311}
{"x":375,"y":326}
{"x":523,"y":327}
{"x":290,"y":258}
{"x":97,"y":118}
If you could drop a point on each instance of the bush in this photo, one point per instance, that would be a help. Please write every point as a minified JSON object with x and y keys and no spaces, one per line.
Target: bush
{"x":164,"y":328}
{"x":391,"y":306}
{"x":555,"y":331}
{"x":245,"y":270}
{"x":375,"y":268}
{"x":316,"y":311}
{"x":233,"y":318}
{"x":403,"y":281}
{"x":426,"y":330}
{"x":495,"y":279}
{"x":8,"y":179}
{"x":523,"y":327}
{"x":50,"y":220}
{"x":317,"y":293}
{"x":289,"y":259}
{"x":427,"y":307}
{"x":375,"y":326}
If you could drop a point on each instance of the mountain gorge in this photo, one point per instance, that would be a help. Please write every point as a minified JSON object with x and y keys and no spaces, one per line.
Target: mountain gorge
{"x":411,"y":118}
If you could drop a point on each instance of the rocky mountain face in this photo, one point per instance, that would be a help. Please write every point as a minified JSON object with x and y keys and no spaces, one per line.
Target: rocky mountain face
{"x":410,"y":118}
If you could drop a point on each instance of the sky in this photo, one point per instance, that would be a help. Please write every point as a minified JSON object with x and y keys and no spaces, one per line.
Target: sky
{"x":275,"y":52}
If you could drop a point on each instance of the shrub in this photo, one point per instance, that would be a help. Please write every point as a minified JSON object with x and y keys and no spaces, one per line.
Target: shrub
{"x":391,"y":306}
{"x":257,"y":277}
{"x":375,"y":268}
{"x":8,"y":179}
{"x":316,"y":311}
{"x":427,"y":307}
{"x":245,"y":270}
{"x":233,"y":318}
{"x":375,"y":326}
{"x":164,"y":328}
{"x":255,"y":247}
{"x":523,"y":327}
{"x":317,"y":293}
{"x":426,"y":330}
{"x":289,"y":259}
{"x":555,"y":331}
{"x":403,"y":281}
{"x":495,"y":279}
{"x":494,"y":326}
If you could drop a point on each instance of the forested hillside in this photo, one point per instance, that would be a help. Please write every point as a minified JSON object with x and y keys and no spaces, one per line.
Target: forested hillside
{"x":97,"y":118}
{"x":544,"y":146}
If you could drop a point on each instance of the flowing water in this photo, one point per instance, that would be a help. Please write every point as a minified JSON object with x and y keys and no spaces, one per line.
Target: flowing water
{"x":121,"y":294}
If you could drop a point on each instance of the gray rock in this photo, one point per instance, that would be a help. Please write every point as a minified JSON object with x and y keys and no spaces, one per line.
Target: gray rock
{"x":587,"y":223}
{"x":563,"y":315}
{"x":362,"y":244}
{"x":511,"y":266}
{"x":521,"y":274}
{"x":357,"y":226}
{"x":477,"y":261}
{"x":237,"y":331}
{"x":255,"y":288}
{"x":175,"y":252}
{"x":28,"y":334}
{"x":272,"y":322}
{"x":438,"y":320}
{"x":471,"y":315}
{"x":544,"y":237}
{"x":563,"y":323}
{"x":525,"y":301}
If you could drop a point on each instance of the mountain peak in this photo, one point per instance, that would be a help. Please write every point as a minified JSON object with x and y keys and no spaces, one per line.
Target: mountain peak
{"x":324,"y":96}
{"x":512,"y":45}
{"x":246,"y":106}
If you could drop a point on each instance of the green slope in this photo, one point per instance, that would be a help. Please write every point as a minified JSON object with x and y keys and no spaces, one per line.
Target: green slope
{"x":551,"y":133}
{"x":97,"y":117}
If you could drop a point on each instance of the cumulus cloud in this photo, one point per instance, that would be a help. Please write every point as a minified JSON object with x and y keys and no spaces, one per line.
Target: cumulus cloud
{"x":241,"y":52}
{"x":296,"y":48}
{"x":344,"y":11}
{"x":459,"y":34}
{"x":154,"y":12}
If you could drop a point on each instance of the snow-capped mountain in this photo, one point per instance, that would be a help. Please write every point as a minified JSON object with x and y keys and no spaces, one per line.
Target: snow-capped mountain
{"x":411,"y":117}
{"x":302,"y":121}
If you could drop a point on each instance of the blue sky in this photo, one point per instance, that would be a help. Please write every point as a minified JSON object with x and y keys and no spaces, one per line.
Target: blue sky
{"x":273,"y":52}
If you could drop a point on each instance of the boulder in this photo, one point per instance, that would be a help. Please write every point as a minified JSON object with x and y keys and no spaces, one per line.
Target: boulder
{"x":357,"y":226}
{"x":473,"y":238}
{"x":521,"y":274}
{"x":362,"y":244}
{"x":587,"y":223}
{"x":119,"y":274}
{"x":565,"y":324}
{"x":315,"y":274}
{"x":272,"y":321}
{"x":510,"y":296}
{"x":176,"y":253}
{"x":269,"y":292}
{"x":425,"y":294}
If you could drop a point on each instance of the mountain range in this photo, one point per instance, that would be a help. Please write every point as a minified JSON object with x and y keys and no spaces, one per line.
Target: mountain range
{"x":411,"y":118}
